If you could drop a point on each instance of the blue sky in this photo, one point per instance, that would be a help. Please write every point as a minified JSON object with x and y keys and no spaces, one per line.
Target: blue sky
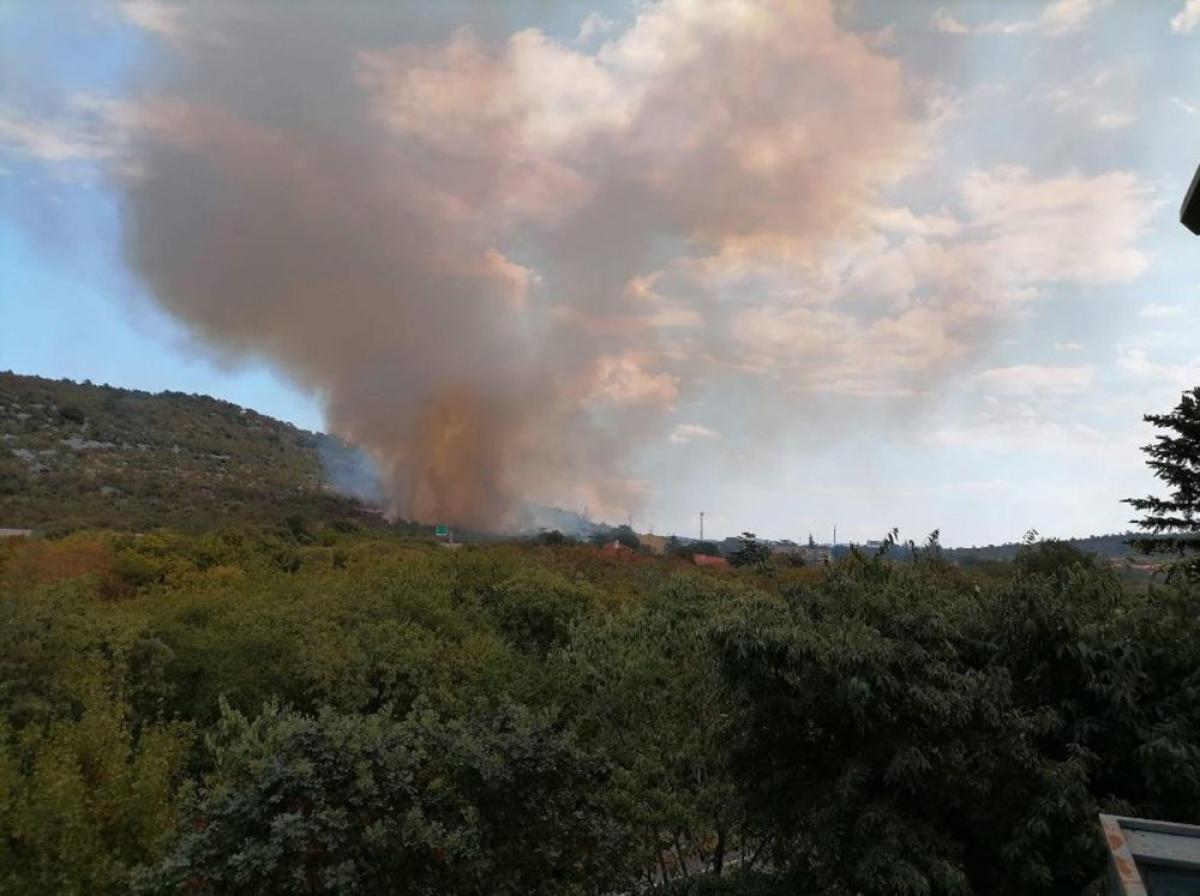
{"x":970,"y":348}
{"x":70,"y":307}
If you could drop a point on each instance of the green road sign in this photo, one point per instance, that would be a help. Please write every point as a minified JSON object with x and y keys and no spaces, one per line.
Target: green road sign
{"x":441,"y":531}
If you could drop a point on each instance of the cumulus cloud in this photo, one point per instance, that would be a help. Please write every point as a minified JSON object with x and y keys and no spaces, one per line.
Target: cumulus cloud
{"x":623,"y":380}
{"x":1071,"y":228}
{"x":836,"y":352}
{"x":593,"y":25}
{"x":947,"y":286}
{"x":1133,"y":361}
{"x":1186,"y":20}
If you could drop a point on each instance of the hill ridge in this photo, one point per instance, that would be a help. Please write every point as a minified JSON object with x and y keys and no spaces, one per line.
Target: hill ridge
{"x":76,"y":455}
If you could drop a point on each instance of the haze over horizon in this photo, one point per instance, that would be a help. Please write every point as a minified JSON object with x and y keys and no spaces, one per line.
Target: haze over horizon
{"x":846,"y":263}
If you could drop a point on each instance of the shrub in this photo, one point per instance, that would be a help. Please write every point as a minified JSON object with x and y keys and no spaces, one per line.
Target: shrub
{"x":500,"y":802}
{"x":72,"y":414}
{"x":83,"y":801}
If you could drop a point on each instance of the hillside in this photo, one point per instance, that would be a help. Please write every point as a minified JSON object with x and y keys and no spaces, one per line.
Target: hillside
{"x":78,"y":455}
{"x":1108,"y":547}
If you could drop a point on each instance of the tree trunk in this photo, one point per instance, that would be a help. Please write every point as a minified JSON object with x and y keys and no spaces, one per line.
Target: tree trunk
{"x":718,"y":859}
{"x":679,"y":854}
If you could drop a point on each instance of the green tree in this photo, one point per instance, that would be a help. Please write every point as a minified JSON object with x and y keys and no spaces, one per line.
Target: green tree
{"x":645,"y":685}
{"x":1050,"y":556}
{"x":535,"y":610}
{"x":1172,"y":524}
{"x":751,"y":551}
{"x":84,"y":800}
{"x":501,"y":801}
{"x":910,"y":736}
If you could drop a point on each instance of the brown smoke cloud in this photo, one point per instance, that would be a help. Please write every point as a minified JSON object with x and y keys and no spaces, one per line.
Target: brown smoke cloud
{"x":453,"y":235}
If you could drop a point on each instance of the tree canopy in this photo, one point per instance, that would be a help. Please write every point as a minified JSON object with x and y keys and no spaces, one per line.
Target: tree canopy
{"x":1173,"y":522}
{"x":316,"y":708}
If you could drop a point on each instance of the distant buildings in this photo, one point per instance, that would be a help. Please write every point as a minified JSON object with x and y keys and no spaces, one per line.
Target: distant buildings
{"x":810,"y":554}
{"x":718,"y":552}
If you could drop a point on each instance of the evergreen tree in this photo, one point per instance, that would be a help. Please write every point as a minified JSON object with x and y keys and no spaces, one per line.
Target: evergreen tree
{"x":1172,"y":525}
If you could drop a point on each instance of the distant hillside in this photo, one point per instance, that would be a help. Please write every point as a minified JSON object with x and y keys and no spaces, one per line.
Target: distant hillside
{"x":75,"y":455}
{"x":1108,"y":547}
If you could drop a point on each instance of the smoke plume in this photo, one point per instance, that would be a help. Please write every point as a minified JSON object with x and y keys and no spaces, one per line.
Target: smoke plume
{"x":494,"y":254}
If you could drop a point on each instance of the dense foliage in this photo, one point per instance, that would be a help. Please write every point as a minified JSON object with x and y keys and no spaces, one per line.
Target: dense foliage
{"x":307,"y":709}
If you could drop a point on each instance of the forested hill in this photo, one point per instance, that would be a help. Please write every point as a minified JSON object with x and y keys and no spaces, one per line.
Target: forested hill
{"x":78,"y":454}
{"x":1109,"y":547}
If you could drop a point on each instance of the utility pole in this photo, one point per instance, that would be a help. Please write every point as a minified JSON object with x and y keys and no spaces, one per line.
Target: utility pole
{"x":835,"y":536}
{"x":702,"y":525}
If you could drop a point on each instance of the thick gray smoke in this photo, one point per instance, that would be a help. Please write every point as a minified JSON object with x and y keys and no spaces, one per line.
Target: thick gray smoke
{"x":462,"y":237}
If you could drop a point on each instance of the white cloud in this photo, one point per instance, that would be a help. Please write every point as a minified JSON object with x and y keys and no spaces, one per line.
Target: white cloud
{"x":1071,"y":228}
{"x":1036,"y":380}
{"x":948,"y":281}
{"x":1056,"y":19}
{"x":1134,"y":362}
{"x":516,"y":278}
{"x":898,"y":219}
{"x":1161,"y":311}
{"x":831,"y":351}
{"x":1025,"y":436}
{"x":622,"y":380}
{"x":1105,"y":98}
{"x":947,"y":24}
{"x":1111,"y":121}
{"x":51,"y":141}
{"x":89,"y":128}
{"x":688,"y":432}
{"x":156,"y":17}
{"x":1186,"y":20}
{"x":1068,"y":347}
{"x":594,"y":25}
